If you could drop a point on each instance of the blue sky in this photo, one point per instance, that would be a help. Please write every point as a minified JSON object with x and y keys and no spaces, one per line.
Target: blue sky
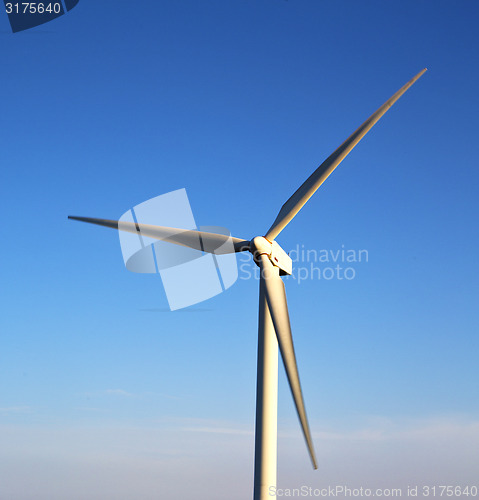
{"x":238,"y":102}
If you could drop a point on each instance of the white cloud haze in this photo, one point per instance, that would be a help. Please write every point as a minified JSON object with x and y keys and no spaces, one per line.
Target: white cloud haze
{"x":214,"y":460}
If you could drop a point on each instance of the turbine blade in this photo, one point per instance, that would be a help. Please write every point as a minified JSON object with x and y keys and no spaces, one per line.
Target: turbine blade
{"x":198,"y":240}
{"x":278,"y":307}
{"x":309,"y":187}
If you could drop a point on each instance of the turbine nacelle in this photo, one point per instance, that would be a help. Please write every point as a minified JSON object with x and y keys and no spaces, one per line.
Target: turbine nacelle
{"x":278,"y":257}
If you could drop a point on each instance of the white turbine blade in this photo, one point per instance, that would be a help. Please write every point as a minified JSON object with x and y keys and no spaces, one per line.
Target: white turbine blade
{"x":198,"y":240}
{"x":309,"y":187}
{"x":278,"y":308}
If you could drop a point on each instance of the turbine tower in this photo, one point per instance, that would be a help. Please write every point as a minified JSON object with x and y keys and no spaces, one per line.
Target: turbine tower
{"x":274,"y":329}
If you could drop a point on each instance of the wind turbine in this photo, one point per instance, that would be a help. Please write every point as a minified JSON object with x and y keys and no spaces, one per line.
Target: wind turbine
{"x":274,"y":327}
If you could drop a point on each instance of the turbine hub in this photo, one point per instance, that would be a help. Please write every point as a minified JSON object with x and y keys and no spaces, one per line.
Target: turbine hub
{"x":260,"y":246}
{"x":278,"y":257}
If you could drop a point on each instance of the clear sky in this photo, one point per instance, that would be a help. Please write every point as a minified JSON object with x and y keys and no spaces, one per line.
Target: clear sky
{"x":104,"y":393}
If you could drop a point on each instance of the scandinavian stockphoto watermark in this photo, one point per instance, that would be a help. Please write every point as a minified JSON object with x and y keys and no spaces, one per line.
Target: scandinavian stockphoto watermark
{"x":189,"y":274}
{"x":310,"y":264}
